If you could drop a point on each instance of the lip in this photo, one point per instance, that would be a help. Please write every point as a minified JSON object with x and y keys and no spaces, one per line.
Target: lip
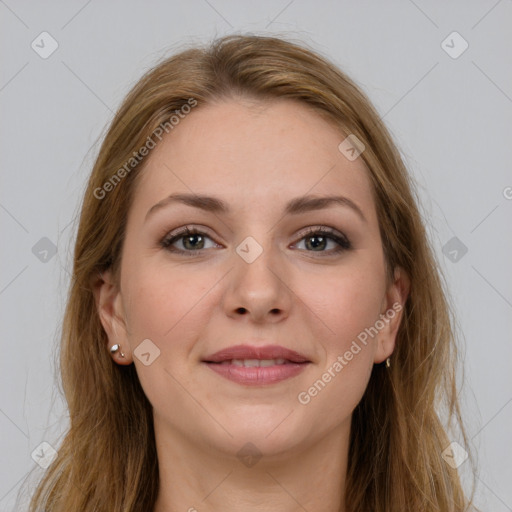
{"x":252,"y":352}
{"x":294,"y":364}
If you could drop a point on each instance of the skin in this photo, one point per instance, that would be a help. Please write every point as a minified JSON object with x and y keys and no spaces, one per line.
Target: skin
{"x":256,"y":157}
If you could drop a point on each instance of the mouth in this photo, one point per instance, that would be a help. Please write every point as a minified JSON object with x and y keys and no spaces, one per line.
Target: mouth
{"x":254,"y":363}
{"x":256,"y":366}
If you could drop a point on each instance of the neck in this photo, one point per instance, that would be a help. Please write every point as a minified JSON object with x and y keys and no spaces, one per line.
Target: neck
{"x":199,"y":479}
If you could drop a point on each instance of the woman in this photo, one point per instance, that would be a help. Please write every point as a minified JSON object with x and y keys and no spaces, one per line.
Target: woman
{"x":256,"y":320}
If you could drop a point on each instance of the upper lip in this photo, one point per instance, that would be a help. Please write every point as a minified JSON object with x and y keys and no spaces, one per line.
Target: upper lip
{"x":252,"y":352}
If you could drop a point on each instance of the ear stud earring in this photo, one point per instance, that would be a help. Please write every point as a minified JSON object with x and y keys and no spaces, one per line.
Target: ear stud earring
{"x":115,"y":348}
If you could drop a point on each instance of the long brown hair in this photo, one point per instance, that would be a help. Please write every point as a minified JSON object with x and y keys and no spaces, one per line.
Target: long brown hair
{"x":107,"y":460}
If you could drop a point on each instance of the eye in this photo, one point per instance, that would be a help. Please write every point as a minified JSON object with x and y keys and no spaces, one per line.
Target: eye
{"x":317,"y":239}
{"x":192,"y":241}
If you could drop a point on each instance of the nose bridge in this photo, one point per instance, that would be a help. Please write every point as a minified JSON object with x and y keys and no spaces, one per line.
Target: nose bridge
{"x":257,"y":285}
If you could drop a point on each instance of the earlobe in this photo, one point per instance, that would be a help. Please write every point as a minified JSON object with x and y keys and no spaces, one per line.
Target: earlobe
{"x":111,"y":314}
{"x":391,"y":315}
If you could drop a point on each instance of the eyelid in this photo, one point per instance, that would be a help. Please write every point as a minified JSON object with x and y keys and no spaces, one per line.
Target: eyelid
{"x":322,"y":229}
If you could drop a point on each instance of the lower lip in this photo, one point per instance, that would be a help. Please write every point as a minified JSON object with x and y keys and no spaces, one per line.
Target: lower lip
{"x":258,"y":375}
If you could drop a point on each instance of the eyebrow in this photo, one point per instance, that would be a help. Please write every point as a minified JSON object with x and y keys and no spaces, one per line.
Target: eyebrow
{"x":294,"y":207}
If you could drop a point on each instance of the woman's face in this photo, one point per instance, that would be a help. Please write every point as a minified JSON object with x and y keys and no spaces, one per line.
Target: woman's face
{"x":259,"y":273}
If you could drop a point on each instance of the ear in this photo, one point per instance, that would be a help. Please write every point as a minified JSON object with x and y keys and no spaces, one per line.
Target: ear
{"x":391,"y":313}
{"x":110,"y":310}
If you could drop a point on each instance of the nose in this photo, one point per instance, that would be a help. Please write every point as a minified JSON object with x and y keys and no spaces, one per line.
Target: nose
{"x":258,"y":290}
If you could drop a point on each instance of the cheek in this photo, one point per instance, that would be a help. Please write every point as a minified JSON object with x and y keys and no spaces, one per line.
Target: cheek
{"x":167,"y":305}
{"x":347,"y":360}
{"x":344,"y":303}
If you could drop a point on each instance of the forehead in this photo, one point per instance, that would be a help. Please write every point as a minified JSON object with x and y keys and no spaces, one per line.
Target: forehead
{"x":253,"y":153}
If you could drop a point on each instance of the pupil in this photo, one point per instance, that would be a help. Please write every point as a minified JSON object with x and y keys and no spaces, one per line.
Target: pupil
{"x":316,"y":245}
{"x":188,"y":238}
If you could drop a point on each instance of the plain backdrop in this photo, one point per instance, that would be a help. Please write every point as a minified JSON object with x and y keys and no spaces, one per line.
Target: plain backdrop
{"x":446,"y":98}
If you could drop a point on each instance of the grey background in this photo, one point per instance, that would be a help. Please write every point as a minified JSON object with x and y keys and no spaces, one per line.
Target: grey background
{"x":451,"y":118}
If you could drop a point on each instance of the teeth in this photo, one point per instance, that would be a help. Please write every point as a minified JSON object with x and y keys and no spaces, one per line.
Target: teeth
{"x":254,"y":362}
{"x":268,"y":362}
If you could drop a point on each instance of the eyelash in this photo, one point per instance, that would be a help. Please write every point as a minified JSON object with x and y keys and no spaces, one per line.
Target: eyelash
{"x":343,"y":242}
